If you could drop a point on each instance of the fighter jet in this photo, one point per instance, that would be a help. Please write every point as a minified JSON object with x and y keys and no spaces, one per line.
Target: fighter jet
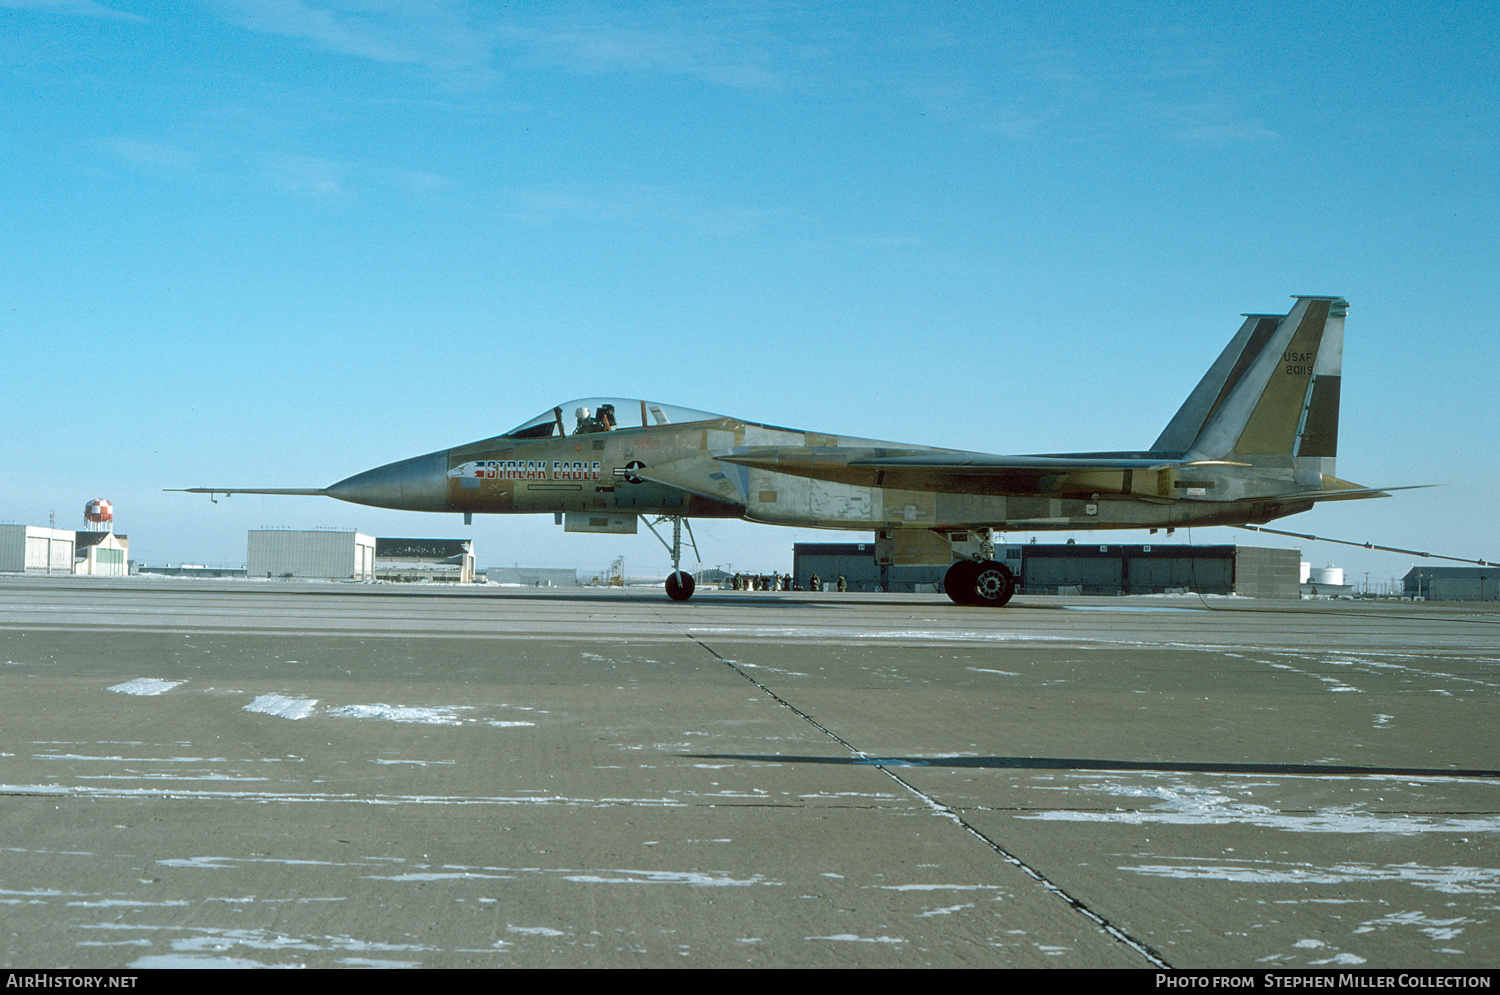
{"x":1253,"y":442}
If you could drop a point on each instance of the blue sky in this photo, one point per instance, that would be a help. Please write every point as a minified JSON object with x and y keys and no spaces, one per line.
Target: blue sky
{"x":276,"y":243}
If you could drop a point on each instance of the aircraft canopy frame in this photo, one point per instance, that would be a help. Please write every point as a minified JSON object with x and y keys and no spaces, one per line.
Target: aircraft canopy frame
{"x":589,"y":415}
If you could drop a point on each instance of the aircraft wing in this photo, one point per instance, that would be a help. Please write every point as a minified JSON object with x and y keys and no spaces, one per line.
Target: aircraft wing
{"x":981,"y":464}
{"x":955,"y":471}
{"x":946,"y":469}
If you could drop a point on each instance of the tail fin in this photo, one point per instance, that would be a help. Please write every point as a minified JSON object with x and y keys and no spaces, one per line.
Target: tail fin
{"x":1216,"y":384}
{"x":1275,"y":393}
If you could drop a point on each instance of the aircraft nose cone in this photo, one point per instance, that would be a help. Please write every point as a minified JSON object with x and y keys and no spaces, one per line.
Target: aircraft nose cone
{"x":416,"y":484}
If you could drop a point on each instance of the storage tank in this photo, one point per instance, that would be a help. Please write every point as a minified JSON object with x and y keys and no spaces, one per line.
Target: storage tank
{"x":1330,"y":576}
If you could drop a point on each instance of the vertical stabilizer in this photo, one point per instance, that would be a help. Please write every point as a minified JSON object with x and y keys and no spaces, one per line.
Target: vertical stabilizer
{"x":1278,"y":405}
{"x":1216,"y":384}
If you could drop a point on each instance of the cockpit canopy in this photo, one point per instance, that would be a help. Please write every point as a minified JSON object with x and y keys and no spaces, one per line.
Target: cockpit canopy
{"x":604,"y":414}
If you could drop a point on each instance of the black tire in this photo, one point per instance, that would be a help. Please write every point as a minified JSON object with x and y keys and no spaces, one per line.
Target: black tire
{"x":958,"y":582}
{"x":994,"y":585}
{"x":680,"y":586}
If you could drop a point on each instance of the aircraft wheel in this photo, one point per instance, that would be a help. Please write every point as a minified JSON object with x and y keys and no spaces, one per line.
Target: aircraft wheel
{"x":958,"y":582}
{"x":680,"y":586}
{"x":994,"y":585}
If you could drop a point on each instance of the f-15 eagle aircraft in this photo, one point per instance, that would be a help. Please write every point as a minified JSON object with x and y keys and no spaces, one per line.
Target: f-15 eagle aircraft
{"x":1254,"y":441}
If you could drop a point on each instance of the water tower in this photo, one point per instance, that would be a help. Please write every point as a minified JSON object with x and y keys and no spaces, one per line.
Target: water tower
{"x":99,"y":516}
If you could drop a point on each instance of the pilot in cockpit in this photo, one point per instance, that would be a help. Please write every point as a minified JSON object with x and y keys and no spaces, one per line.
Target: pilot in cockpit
{"x":602,"y":421}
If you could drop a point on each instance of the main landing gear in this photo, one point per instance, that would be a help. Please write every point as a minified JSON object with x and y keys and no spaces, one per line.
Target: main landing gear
{"x":976,"y":577}
{"x":980,"y":582}
{"x":679,"y":582}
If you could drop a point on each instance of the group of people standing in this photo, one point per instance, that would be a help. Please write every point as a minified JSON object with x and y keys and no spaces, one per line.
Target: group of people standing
{"x":778,"y":582}
{"x":761,"y":582}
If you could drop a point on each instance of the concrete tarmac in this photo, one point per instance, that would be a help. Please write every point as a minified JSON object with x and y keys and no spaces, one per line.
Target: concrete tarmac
{"x":223,"y":773}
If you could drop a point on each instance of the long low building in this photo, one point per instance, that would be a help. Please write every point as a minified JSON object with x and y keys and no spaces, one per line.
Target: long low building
{"x":1058,"y":568}
{"x":187,"y":570}
{"x":1153,"y":568}
{"x":1453,"y":583}
{"x":856,"y":562}
{"x":533,"y":576}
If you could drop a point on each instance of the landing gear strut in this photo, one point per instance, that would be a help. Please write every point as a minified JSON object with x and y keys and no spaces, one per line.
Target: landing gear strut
{"x":679,"y":583}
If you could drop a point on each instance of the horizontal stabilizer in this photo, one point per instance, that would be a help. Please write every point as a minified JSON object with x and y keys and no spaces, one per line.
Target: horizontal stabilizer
{"x":1346,"y":493}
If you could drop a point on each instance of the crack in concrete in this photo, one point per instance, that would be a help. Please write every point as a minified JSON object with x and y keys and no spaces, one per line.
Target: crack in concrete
{"x":1077,"y":905}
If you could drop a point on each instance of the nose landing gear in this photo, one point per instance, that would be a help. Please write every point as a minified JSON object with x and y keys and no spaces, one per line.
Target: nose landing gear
{"x":680,"y":583}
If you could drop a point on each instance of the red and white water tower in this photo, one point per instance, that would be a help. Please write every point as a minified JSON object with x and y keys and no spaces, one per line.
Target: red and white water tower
{"x":99,"y":516}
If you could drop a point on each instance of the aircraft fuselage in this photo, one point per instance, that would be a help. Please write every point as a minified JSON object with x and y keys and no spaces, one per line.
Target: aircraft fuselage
{"x":677,"y":470}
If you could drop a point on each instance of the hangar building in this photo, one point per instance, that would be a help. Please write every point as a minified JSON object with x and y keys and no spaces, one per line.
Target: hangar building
{"x":425,"y":560}
{"x":35,"y":550}
{"x":320,"y":554}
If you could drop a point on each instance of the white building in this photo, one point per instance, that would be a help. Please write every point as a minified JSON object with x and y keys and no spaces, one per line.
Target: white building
{"x":533,"y":576}
{"x":34,"y":550}
{"x":101,"y":554}
{"x":326,"y":555}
